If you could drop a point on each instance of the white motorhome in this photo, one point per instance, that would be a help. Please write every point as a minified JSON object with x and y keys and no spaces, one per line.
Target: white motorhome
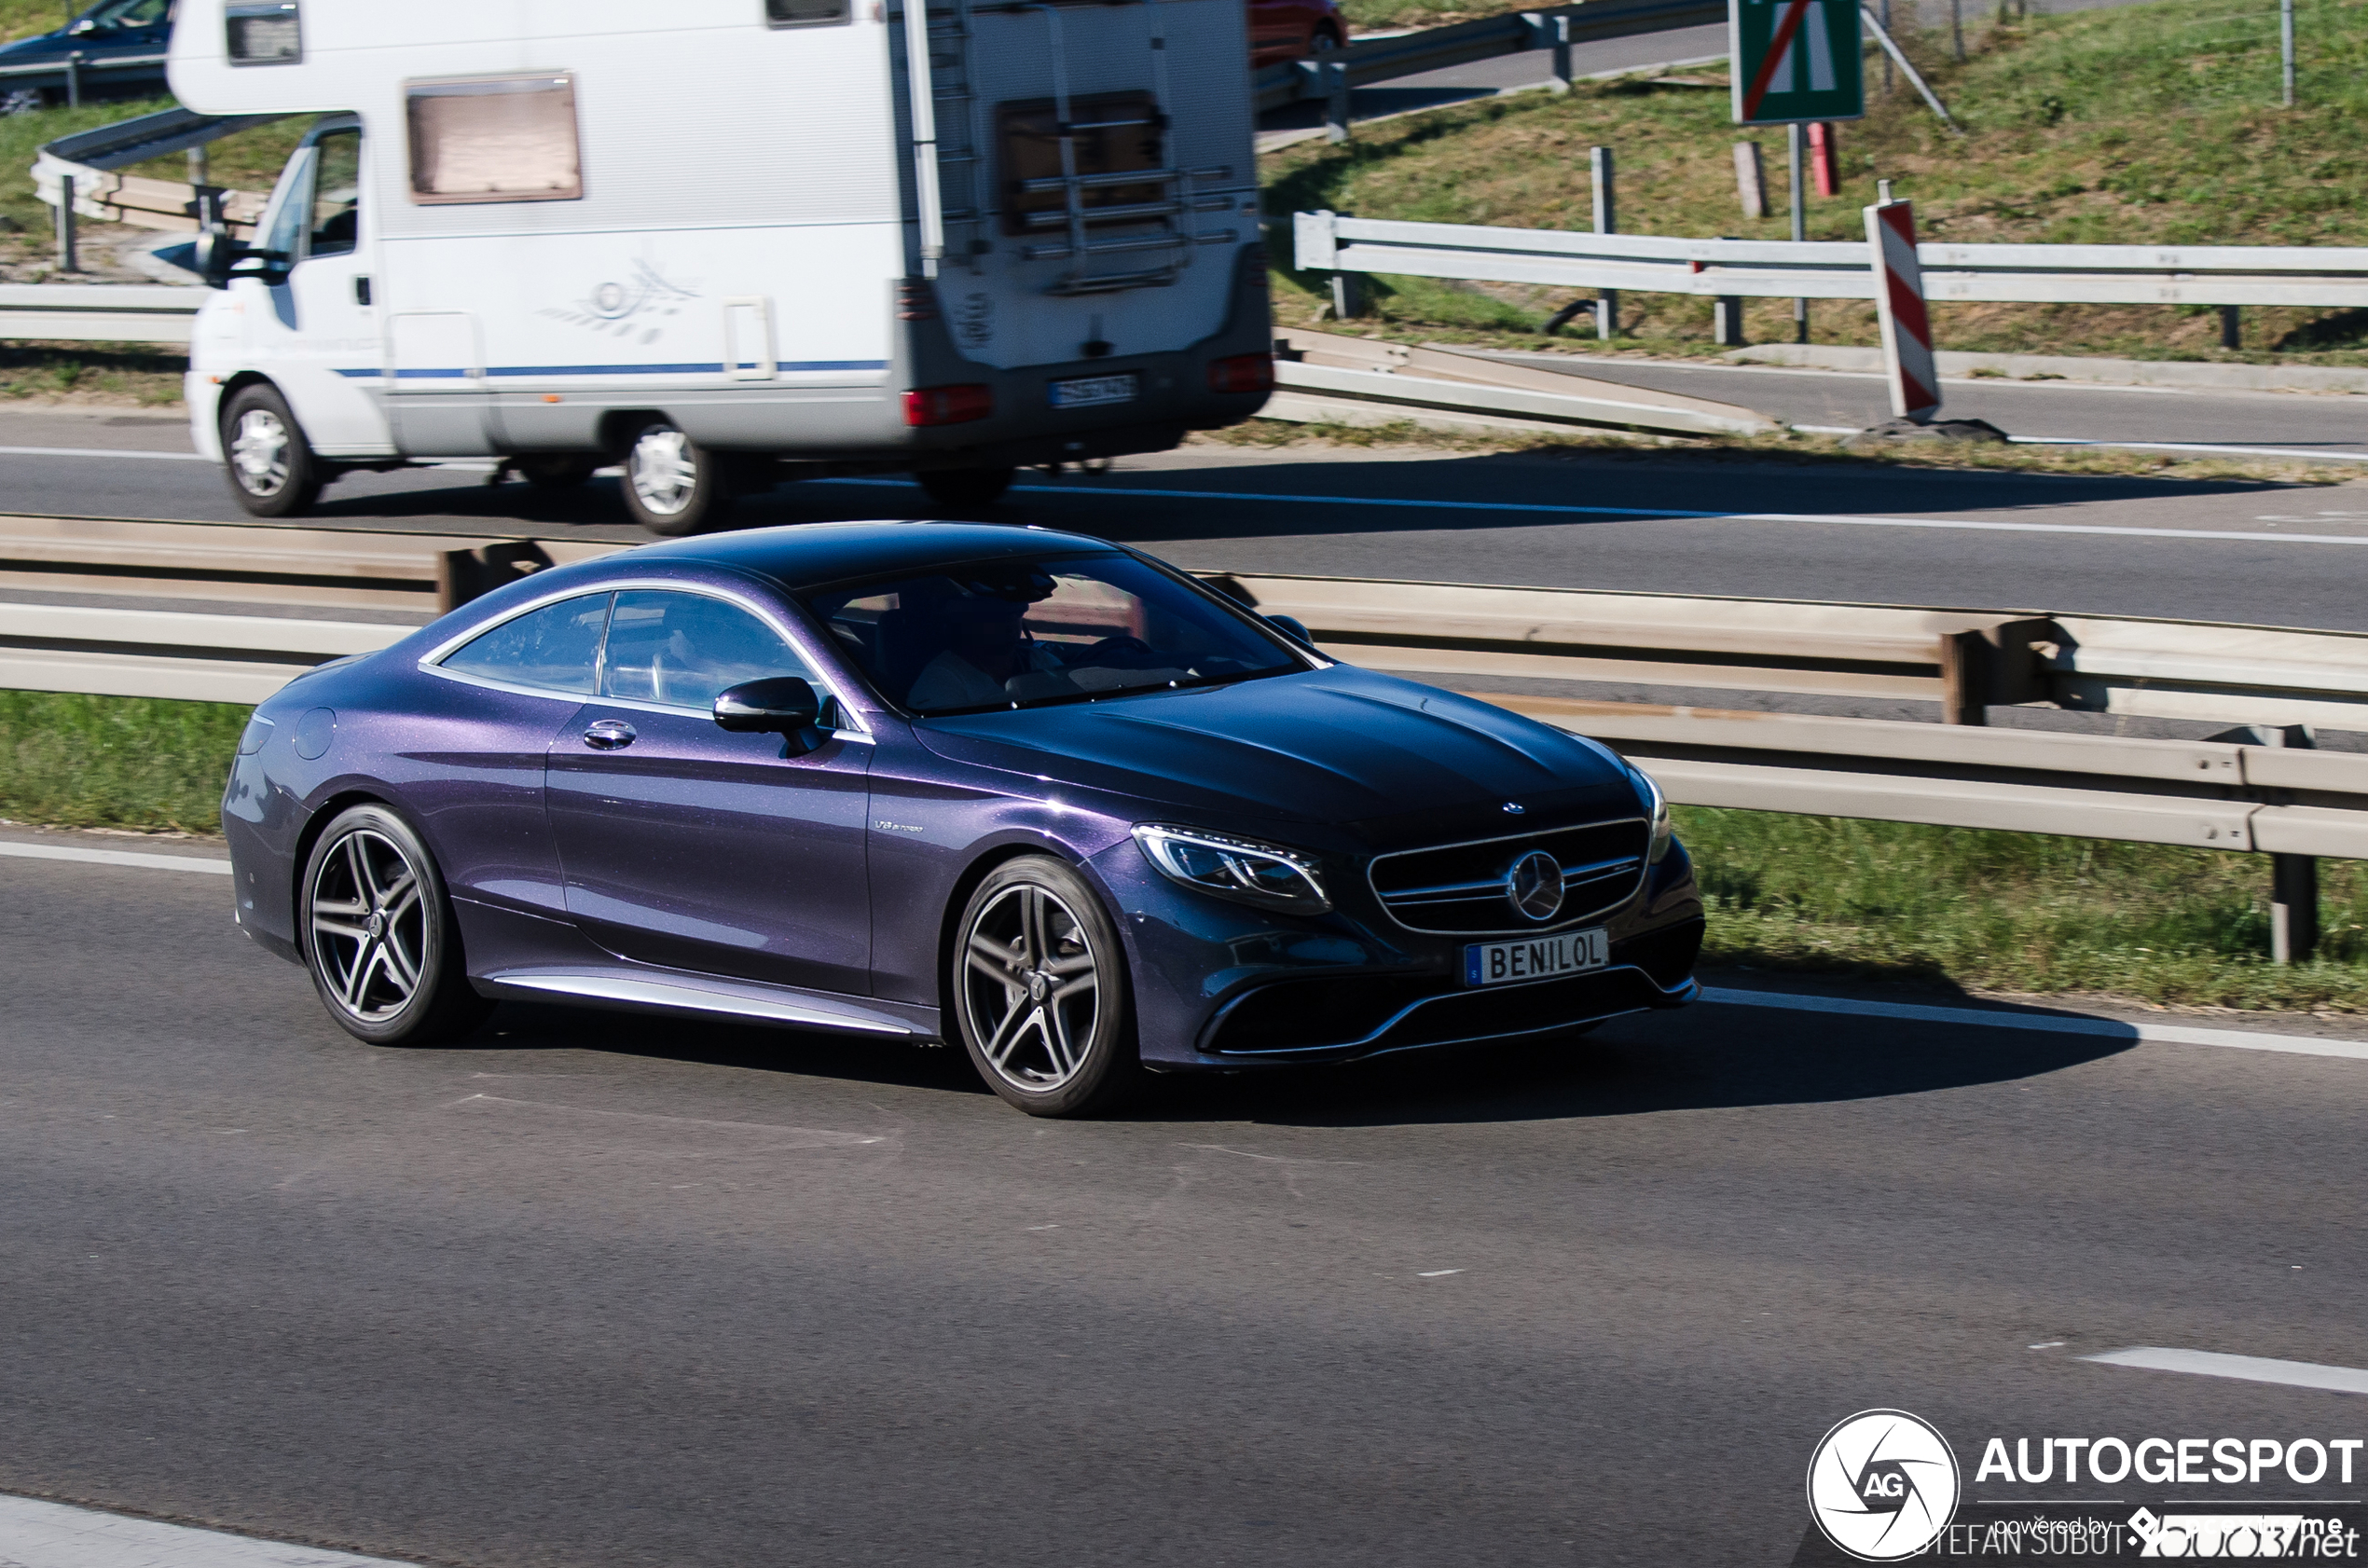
{"x":724,"y":243}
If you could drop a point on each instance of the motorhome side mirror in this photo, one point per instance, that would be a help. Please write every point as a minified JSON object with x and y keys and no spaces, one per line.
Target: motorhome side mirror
{"x":781,"y":704}
{"x":213,"y":255}
{"x":1291,"y":625}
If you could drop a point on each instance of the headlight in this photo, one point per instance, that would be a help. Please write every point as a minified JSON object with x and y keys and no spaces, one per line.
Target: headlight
{"x":1656,"y":808}
{"x":1265,"y":874}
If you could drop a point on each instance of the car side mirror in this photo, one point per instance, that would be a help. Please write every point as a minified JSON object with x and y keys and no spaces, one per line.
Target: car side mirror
{"x":82,"y":28}
{"x":781,"y":704}
{"x":1291,"y":625}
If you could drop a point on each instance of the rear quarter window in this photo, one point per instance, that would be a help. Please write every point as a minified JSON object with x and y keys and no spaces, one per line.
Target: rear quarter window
{"x":554,"y":649}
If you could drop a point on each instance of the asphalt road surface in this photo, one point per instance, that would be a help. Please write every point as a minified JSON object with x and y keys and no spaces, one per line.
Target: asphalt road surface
{"x":1651,"y":522}
{"x":593,"y":1291}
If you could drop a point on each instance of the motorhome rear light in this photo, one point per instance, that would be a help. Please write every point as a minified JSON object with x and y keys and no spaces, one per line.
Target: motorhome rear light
{"x":1242,"y":373}
{"x":915,"y":301}
{"x":262,"y":33}
{"x":948,"y":406}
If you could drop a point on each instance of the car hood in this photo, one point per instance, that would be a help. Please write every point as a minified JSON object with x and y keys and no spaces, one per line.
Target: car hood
{"x":1340,"y":745}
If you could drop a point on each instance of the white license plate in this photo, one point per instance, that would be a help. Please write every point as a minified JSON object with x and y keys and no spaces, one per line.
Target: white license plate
{"x":1087,"y":390}
{"x":1503,"y":963}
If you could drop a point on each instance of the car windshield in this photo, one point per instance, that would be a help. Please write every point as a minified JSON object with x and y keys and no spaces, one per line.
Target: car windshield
{"x":975,"y":637}
{"x":129,"y":13}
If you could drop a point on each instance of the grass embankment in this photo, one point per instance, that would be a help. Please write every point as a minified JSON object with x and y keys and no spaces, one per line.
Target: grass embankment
{"x":2015,"y":912}
{"x":73,"y":761}
{"x":2152,"y":124}
{"x":1880,"y":899}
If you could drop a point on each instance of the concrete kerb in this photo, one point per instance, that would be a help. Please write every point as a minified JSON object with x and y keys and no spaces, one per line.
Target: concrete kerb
{"x":2070,"y":367}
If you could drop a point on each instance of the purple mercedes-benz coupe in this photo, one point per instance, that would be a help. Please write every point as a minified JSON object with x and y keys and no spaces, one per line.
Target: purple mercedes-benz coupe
{"x":1027,"y":790}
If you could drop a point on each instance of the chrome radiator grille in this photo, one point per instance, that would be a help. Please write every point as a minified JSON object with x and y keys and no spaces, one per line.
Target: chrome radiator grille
{"x":1466,"y":889}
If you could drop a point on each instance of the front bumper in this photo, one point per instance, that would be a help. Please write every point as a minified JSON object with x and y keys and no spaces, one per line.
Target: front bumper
{"x":1218,"y":986}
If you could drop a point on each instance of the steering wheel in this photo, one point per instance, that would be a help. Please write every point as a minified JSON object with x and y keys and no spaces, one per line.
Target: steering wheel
{"x":1123,"y":652}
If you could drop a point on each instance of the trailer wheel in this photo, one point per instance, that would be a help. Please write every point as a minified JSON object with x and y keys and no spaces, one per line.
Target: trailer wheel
{"x":274,"y":473}
{"x":965,"y":488}
{"x":673,"y":486}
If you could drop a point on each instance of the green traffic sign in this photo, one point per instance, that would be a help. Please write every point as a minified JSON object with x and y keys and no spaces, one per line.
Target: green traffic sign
{"x":1794,"y":60}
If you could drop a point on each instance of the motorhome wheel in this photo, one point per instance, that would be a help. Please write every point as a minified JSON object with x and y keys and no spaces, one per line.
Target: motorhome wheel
{"x":274,"y":473}
{"x":963,"y":489}
{"x":672,"y":485}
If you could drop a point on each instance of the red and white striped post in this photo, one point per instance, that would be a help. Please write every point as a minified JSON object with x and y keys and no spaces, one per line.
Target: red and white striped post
{"x":1899,"y":305}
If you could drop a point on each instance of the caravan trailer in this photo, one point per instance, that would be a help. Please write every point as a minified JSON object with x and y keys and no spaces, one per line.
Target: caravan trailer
{"x":728,"y":242}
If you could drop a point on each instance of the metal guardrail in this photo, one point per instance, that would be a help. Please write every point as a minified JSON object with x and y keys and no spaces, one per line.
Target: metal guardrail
{"x":100,"y":312}
{"x":1436,"y":49}
{"x":2332,"y":276}
{"x":2235,"y":793}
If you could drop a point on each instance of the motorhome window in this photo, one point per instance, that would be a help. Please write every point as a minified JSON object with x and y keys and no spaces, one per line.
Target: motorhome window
{"x":1113,"y":134}
{"x":337,"y":193}
{"x":804,"y":13}
{"x":263,"y":31}
{"x":287,"y":218}
{"x":506,"y":139}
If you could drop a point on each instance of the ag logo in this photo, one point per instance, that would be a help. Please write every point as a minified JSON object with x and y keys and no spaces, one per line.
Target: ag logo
{"x":1882,"y":1485}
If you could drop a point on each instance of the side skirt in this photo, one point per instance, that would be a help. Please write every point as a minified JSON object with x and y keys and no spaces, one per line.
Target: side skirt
{"x":680,"y":995}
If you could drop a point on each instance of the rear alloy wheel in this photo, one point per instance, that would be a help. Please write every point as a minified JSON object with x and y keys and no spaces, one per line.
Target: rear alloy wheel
{"x":379,"y":937}
{"x":965,"y":488}
{"x":673,"y":486}
{"x":274,"y":473}
{"x":1040,"y":991}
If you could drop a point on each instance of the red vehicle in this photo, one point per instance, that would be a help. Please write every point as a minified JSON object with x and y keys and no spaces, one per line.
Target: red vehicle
{"x":1284,"y":30}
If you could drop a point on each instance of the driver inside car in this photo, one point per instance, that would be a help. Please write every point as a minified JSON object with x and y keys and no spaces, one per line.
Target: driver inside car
{"x":986,"y":646}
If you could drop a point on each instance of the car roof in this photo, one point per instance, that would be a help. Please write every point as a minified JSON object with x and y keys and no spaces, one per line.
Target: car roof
{"x":806,"y":556}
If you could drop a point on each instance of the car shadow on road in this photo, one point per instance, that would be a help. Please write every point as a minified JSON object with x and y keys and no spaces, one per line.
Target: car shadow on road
{"x":1708,"y":1058}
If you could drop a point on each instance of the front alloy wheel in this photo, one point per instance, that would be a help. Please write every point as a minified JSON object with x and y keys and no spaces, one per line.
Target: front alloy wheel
{"x":380,"y":940}
{"x":1040,"y":991}
{"x":274,"y":473}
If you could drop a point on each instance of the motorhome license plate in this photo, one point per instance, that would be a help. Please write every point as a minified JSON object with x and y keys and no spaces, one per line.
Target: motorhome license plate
{"x":1087,"y":390}
{"x":1502,"y":963}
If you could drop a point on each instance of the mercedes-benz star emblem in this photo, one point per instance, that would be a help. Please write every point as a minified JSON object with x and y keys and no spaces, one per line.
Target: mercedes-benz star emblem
{"x":1535,"y":885}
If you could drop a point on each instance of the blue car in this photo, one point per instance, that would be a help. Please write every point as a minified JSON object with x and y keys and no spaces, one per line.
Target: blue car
{"x":1028,"y":790}
{"x":121,"y":45}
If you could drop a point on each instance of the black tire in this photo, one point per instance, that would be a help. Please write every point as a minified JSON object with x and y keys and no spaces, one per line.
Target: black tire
{"x":556,"y":470}
{"x":964,"y":488}
{"x":379,"y":937}
{"x":1037,"y":986}
{"x":673,"y":486}
{"x":266,"y":455}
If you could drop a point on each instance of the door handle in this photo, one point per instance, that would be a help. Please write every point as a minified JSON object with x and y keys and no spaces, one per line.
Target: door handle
{"x":362,"y":291}
{"x":609,"y":734}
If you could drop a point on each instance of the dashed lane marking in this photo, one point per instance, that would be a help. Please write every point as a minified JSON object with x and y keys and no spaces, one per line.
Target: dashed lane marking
{"x":2245,"y":1368}
{"x":38,"y":1534}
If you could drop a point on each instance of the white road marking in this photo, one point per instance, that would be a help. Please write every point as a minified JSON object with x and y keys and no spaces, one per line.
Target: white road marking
{"x":36,"y":1534}
{"x":1666,"y":513}
{"x":2245,"y":1368}
{"x":1439,"y":1273}
{"x":2053,"y":1024}
{"x":118,"y":858}
{"x":99,"y":452}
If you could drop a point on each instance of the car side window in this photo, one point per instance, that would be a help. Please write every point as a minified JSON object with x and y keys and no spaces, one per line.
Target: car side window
{"x":557,"y":648}
{"x":680,"y":650}
{"x":337,"y":193}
